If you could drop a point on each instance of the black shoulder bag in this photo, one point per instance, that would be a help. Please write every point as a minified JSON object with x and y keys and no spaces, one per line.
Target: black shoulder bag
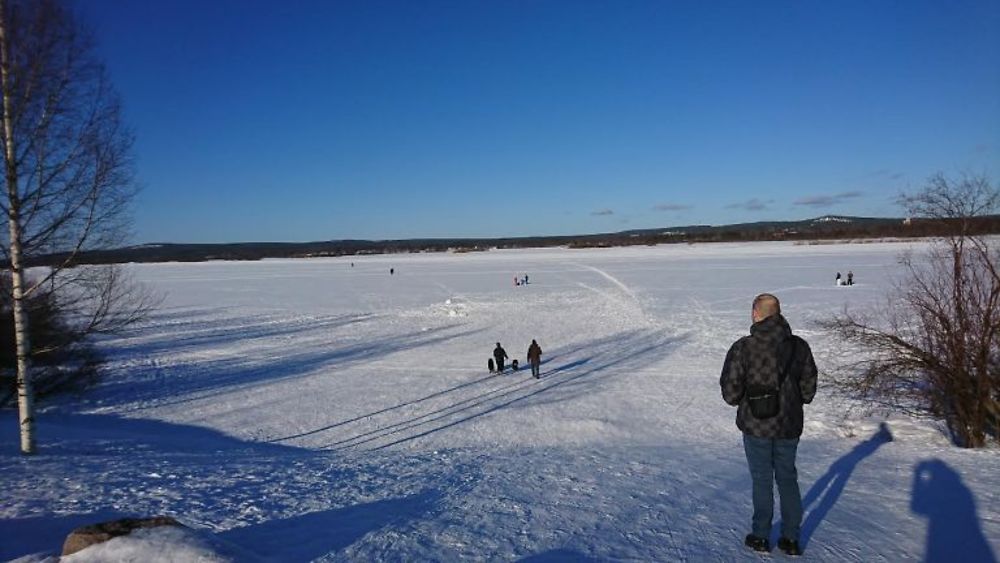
{"x":765,"y":400}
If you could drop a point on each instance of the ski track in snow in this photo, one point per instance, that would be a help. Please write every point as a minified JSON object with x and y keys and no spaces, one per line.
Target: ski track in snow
{"x":301,"y":410}
{"x":628,"y":291}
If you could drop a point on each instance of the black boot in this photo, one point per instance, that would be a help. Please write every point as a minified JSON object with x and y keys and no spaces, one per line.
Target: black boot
{"x":790,"y":547}
{"x":756,"y":543}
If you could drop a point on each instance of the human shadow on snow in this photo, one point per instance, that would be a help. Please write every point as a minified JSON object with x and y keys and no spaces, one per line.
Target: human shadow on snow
{"x":604,"y":360}
{"x":209,"y":379}
{"x":826,"y":491}
{"x":436,"y":394}
{"x":386,"y":409}
{"x":953,"y":525}
{"x":611,"y":356}
{"x":310,"y":536}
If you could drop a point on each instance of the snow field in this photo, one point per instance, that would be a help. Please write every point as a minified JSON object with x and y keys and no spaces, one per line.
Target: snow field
{"x":306,"y":410}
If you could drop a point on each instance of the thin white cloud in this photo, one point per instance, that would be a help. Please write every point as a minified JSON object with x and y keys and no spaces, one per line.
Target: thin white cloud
{"x":602,"y":212}
{"x":751,"y":205}
{"x":672,"y":207}
{"x":827,"y":200}
{"x":881,"y":174}
{"x":817,"y":201}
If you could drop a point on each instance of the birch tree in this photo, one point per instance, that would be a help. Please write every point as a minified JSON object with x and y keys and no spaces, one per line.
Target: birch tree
{"x":68,"y":179}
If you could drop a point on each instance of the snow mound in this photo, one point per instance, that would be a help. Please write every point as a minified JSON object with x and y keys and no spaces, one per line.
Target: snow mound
{"x":163,"y":544}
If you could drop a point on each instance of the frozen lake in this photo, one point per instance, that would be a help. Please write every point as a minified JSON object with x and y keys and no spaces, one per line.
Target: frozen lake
{"x":314,"y":410}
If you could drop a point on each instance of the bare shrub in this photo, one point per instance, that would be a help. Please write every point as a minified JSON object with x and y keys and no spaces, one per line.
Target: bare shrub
{"x":935,"y":347}
{"x":63,"y":315}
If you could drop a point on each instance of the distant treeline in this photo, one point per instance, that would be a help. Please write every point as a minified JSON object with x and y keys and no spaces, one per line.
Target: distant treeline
{"x":823,"y":228}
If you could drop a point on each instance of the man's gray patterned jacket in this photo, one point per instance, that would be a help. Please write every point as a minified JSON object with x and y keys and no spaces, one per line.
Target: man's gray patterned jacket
{"x":758,"y":359}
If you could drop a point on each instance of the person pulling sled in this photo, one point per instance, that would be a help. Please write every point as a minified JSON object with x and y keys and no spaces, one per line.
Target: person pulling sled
{"x":535,"y":359}
{"x":499,"y":354}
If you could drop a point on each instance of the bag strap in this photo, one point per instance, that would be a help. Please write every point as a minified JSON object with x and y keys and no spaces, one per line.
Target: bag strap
{"x":788,"y":364}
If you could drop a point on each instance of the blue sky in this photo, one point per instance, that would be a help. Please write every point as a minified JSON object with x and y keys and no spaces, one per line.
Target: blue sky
{"x":317,"y":120}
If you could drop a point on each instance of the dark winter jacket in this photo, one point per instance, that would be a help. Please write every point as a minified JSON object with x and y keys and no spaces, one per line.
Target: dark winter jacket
{"x":500,"y":354}
{"x":758,"y":359}
{"x":534,"y":353}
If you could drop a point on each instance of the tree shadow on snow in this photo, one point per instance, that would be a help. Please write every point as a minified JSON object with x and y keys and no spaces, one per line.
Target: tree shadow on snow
{"x":436,"y":394}
{"x":310,"y":536}
{"x":209,"y":379}
{"x":559,"y":556}
{"x":953,"y":525}
{"x":87,"y":440}
{"x":63,"y":434}
{"x":386,"y":409}
{"x":613,"y":356}
{"x":826,"y":491}
{"x":604,"y":359}
{"x":174,"y":337}
{"x":45,"y":534}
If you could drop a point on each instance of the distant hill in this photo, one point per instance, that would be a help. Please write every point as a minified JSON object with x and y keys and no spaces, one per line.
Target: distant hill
{"x":822,"y":224}
{"x":825,"y":227}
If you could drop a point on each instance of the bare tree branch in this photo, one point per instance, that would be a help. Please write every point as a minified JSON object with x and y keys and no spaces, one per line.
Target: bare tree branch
{"x":69,"y":181}
{"x":935,"y":348}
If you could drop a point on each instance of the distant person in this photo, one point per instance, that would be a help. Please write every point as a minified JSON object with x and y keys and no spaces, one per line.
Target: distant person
{"x":535,"y":358}
{"x":499,"y":354}
{"x":352,"y":264}
{"x":491,"y":365}
{"x":525,"y":279}
{"x":839,"y":282}
{"x":516,"y":281}
{"x":770,"y":375}
{"x":393,"y":271}
{"x":850,"y":277}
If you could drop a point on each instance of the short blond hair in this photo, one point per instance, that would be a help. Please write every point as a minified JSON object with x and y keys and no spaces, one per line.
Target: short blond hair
{"x":766,"y":305}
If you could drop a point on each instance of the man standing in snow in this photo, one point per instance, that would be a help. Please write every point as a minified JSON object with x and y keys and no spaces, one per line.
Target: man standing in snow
{"x":535,"y":358}
{"x":769,"y":375}
{"x":499,"y":354}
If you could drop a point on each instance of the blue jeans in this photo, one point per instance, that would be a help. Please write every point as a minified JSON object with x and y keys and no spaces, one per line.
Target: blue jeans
{"x":770,"y":461}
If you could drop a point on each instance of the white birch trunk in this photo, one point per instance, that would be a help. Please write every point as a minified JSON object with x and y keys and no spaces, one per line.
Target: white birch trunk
{"x":25,"y":393}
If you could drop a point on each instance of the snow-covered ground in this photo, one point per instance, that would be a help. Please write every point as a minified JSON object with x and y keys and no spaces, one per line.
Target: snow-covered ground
{"x":298,"y":410}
